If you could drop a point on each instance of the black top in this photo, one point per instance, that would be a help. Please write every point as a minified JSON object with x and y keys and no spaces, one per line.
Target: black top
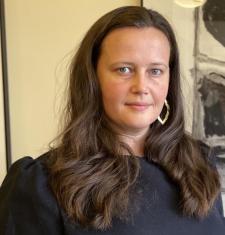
{"x":28,"y":207}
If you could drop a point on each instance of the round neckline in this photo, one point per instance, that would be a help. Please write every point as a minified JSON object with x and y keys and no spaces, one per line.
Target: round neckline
{"x":141,"y":158}
{"x":136,"y":156}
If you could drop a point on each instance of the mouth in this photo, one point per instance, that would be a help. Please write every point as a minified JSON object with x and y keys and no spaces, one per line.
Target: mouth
{"x":138,"y":106}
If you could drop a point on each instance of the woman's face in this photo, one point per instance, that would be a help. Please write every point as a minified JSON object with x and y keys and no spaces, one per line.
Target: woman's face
{"x":133,"y":71}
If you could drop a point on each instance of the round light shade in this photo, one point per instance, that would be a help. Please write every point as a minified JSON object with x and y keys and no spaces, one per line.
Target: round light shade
{"x":189,"y":3}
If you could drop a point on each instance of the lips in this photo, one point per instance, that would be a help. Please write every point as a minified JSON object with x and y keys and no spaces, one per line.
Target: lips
{"x":139,"y":106}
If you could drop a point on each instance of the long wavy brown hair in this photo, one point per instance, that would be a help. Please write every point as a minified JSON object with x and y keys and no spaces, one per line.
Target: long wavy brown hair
{"x":89,"y":174}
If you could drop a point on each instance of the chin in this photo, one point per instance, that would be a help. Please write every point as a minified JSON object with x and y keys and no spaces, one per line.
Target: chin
{"x":140,"y":123}
{"x":137,"y":127}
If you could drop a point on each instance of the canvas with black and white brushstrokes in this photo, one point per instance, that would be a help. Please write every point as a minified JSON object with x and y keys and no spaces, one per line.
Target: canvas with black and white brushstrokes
{"x":209,"y":110}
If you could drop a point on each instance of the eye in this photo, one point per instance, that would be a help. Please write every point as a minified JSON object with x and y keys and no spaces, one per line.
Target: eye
{"x":124,"y":70}
{"x":156,"y":72}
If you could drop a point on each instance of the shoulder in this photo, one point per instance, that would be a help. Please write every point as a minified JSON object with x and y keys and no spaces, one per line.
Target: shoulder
{"x":28,"y":163}
{"x":26,"y":196}
{"x":25,"y":175}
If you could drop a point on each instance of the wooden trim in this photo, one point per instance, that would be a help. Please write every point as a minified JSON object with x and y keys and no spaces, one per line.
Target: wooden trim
{"x":5,"y":85}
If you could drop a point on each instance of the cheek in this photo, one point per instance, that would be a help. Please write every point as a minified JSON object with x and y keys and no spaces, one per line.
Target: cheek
{"x":164,"y":91}
{"x":112,"y":93}
{"x":161,"y":92}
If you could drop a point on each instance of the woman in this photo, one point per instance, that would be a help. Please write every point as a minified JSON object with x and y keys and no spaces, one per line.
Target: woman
{"x":123,"y":163}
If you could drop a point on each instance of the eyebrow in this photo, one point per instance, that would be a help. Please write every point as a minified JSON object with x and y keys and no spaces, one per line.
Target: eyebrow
{"x":129,"y":63}
{"x":161,"y":64}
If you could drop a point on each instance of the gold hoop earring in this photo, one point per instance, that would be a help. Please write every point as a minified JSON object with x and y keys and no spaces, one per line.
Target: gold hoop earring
{"x":166,"y":115}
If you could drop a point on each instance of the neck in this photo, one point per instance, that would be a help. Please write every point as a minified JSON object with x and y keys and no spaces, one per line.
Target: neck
{"x":135,"y":142}
{"x":135,"y":139}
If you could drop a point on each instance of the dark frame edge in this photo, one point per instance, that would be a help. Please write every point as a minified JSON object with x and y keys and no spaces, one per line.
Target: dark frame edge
{"x":5,"y":86}
{"x":141,"y":3}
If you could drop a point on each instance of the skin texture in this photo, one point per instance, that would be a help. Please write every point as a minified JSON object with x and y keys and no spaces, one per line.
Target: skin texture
{"x":133,"y":72}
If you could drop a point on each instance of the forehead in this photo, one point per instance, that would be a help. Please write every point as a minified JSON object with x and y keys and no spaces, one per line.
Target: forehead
{"x":132,"y":42}
{"x":126,"y":32}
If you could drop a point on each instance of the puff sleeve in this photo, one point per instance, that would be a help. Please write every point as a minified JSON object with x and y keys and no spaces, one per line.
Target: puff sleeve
{"x":27,"y":205}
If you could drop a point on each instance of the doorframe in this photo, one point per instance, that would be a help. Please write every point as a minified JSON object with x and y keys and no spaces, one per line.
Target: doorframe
{"x":5,"y":86}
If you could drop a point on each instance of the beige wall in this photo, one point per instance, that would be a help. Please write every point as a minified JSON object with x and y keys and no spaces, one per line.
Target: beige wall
{"x":41,"y":37}
{"x":2,"y":128}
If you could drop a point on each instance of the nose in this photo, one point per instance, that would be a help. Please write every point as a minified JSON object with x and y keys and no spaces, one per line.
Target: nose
{"x":140,"y":84}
